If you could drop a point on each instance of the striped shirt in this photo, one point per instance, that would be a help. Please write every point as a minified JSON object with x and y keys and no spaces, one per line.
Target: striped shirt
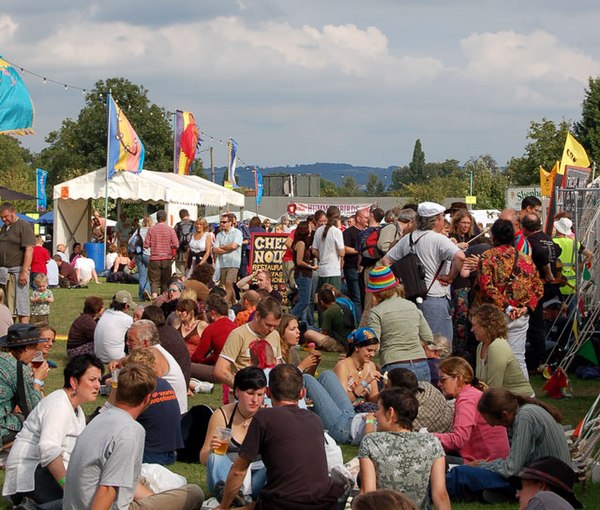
{"x":535,"y":433}
{"x":161,"y":239}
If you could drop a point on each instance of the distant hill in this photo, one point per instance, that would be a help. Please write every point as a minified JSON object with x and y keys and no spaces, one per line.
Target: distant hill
{"x":334,"y":172}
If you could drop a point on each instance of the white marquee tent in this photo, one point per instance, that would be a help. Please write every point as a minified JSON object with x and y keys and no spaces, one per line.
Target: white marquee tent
{"x":72,"y":199}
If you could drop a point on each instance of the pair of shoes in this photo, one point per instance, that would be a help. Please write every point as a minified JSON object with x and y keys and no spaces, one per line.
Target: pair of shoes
{"x":239,"y":500}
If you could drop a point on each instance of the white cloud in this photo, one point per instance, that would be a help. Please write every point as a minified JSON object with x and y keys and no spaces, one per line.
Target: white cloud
{"x":8,"y":27}
{"x":231,"y":47}
{"x":522,"y":58}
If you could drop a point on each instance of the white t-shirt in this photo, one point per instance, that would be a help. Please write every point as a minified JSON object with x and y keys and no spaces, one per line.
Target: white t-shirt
{"x":52,"y":273}
{"x":109,"y":335}
{"x":329,"y":260}
{"x":175,"y":378}
{"x":85,"y":266}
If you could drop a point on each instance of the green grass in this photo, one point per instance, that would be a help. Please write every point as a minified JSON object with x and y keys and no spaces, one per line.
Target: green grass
{"x":69,"y":303}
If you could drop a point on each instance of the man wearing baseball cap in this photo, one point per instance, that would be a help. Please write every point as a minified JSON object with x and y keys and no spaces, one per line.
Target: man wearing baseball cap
{"x":546,"y":484}
{"x":434,"y":250}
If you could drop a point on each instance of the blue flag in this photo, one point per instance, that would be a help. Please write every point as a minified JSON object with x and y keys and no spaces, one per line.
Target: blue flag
{"x":40,"y":181}
{"x":16,"y":108}
{"x":259,"y":186}
{"x":232,"y":144}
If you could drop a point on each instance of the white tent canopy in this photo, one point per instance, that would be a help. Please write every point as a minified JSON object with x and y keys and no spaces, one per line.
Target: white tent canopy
{"x":72,"y":199}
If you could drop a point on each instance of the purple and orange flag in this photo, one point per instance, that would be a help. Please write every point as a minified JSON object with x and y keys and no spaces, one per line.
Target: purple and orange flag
{"x":125,"y":149}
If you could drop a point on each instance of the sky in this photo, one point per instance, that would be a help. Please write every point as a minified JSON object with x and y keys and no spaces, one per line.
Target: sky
{"x":319,"y":81}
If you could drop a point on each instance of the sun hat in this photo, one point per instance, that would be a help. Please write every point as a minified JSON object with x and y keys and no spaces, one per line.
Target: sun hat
{"x":564,"y":226}
{"x":21,"y":334}
{"x":124,"y":297}
{"x":381,"y":278}
{"x":455,"y":206}
{"x":554,"y":472}
{"x":430,"y":209}
{"x":362,"y":336}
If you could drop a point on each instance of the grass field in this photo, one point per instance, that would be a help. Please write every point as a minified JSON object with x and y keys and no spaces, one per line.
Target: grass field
{"x":69,"y":303}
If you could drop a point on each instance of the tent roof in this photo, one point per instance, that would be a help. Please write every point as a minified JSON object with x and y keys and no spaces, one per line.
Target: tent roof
{"x":150,"y":187}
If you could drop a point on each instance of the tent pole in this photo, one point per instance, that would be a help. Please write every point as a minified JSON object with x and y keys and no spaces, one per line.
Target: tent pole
{"x":106,"y":176}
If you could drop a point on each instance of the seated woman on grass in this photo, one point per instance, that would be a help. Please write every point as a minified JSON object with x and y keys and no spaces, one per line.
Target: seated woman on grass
{"x":535,"y":431}
{"x":357,"y":373}
{"x":471,"y":437}
{"x":397,"y":458}
{"x":249,"y":390}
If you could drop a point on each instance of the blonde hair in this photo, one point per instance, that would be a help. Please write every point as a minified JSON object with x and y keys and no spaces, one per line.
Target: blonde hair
{"x":442,"y":344}
{"x":144,"y":357}
{"x":40,"y":278}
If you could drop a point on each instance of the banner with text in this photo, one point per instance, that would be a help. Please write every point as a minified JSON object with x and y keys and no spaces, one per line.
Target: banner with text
{"x":298,"y":209}
{"x":266,"y":252}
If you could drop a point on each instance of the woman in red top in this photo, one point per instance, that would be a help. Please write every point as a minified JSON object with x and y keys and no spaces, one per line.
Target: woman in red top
{"x":189,"y":324}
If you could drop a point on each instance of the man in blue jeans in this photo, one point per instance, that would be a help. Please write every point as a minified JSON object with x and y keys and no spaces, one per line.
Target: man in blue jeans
{"x":351,"y":259}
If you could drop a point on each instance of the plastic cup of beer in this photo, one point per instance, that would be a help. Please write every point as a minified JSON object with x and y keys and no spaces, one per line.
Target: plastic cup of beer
{"x":38,"y":359}
{"x":114,"y":377}
{"x":224,"y":435}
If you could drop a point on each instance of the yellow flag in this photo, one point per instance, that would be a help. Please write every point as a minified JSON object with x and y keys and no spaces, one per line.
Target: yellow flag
{"x":547,"y":179}
{"x":573,"y":154}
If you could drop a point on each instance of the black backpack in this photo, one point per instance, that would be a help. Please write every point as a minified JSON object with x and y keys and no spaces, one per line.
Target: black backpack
{"x":411,"y":273}
{"x":184,"y":232}
{"x":194,"y":426}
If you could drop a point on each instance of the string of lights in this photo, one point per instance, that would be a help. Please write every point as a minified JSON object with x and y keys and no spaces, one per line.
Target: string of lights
{"x":168,"y":115}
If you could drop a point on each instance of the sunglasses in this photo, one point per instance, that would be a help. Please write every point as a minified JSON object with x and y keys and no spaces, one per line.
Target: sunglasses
{"x":173,"y":290}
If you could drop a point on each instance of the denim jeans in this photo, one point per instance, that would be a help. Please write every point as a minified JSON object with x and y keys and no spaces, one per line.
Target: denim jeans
{"x":419,"y":368}
{"x":159,"y":458}
{"x":302,"y":307}
{"x":142,"y":264}
{"x":464,"y":481}
{"x":353,"y":289}
{"x":437,"y":314}
{"x":332,"y":405}
{"x":218,"y":468}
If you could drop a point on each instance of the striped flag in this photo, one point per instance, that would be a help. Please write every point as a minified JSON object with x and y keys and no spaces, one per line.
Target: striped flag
{"x":125,"y":149}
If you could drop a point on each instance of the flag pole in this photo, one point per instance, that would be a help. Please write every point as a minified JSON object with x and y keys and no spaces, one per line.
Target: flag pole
{"x":108,"y":99}
{"x":255,"y":190}
{"x":175,"y":168}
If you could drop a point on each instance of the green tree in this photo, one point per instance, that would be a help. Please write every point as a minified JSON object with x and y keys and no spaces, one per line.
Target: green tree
{"x":79,"y":146}
{"x":17,"y":170}
{"x":546,"y":145}
{"x":375,"y":187}
{"x":436,"y":189}
{"x":414,"y":173}
{"x":489,"y":184}
{"x":587,"y":130}
{"x":349,"y":187}
{"x":328,"y":188}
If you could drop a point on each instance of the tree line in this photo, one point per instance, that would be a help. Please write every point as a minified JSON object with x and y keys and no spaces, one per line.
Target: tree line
{"x":79,"y":146}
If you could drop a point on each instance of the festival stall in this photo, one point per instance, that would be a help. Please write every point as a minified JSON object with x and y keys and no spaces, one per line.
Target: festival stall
{"x":72,"y":199}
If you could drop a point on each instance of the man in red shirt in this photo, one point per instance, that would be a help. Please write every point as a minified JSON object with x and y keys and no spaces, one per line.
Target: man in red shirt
{"x":213,"y":338}
{"x":162,"y":242}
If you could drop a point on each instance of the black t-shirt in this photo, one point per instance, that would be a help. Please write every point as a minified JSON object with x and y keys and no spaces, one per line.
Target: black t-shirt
{"x":174,"y":344}
{"x":543,"y":251}
{"x":351,"y":239}
{"x":291,"y":443}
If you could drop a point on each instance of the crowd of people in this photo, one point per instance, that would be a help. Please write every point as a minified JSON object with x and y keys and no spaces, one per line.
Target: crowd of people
{"x":432,"y":382}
